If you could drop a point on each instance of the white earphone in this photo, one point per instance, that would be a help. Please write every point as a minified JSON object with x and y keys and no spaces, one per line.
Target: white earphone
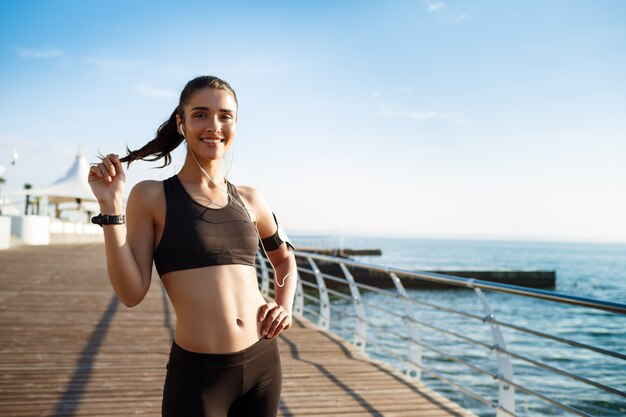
{"x":182,"y":130}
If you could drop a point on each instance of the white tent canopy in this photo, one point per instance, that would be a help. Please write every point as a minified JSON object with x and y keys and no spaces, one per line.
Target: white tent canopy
{"x":70,"y":188}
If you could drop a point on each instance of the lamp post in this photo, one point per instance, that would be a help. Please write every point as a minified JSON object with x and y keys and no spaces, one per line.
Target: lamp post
{"x":27,"y":186}
{"x":2,"y":181}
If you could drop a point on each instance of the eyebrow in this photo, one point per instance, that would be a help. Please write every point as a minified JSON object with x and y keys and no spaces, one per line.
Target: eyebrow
{"x":203,"y":108}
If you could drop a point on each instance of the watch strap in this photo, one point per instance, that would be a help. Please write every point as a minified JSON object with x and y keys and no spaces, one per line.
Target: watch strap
{"x":103,"y":219}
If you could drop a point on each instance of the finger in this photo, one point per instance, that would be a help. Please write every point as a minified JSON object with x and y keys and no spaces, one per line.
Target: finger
{"x":272,"y":321}
{"x":94,"y":173}
{"x":265,"y":309}
{"x":101,"y":170}
{"x":104,"y":171}
{"x":117,"y":164}
{"x":280,"y":326}
{"x":265,"y":325}
{"x":276,"y":327}
{"x":262,"y":312}
{"x":267,"y":321}
{"x":109,"y":165}
{"x":288,"y":324}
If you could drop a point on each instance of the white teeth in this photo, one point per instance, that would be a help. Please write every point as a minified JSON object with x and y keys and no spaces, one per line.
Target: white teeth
{"x":212,"y":140}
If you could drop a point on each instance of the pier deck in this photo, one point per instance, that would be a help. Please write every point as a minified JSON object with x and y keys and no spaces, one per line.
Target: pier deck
{"x":69,"y":348}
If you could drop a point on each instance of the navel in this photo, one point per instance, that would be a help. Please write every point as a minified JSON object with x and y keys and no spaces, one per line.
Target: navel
{"x":239,"y":322}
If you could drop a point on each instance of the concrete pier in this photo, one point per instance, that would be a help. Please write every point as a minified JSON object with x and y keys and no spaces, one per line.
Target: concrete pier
{"x":524,"y":278}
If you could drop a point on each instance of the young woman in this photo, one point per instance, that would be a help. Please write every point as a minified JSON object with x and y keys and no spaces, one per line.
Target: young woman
{"x":202,"y":233}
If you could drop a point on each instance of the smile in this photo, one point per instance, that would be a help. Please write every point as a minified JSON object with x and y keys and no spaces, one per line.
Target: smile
{"x":209,"y":140}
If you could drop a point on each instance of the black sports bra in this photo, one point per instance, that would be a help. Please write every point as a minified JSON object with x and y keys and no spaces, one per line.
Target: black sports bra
{"x":195,"y":236}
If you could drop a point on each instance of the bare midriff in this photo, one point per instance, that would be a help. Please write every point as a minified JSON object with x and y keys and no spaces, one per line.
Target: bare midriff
{"x":216,"y":307}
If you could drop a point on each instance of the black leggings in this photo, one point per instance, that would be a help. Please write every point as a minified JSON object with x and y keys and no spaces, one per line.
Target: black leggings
{"x":245,"y":383}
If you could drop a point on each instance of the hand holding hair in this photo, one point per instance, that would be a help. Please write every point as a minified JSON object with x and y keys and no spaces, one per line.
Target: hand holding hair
{"x":107,"y":179}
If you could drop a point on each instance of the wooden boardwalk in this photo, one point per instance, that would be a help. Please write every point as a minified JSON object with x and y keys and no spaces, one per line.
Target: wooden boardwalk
{"x":69,"y":348}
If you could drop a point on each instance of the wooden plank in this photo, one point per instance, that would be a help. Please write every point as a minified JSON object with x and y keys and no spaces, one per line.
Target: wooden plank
{"x":69,"y":348}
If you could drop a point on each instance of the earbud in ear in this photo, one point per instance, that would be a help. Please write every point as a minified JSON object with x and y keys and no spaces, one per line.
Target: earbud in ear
{"x":182,"y":130}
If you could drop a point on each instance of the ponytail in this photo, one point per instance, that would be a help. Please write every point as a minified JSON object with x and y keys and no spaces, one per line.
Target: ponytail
{"x":167,"y":139}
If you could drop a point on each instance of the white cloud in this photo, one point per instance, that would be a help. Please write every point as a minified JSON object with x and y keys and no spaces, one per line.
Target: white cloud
{"x":119,"y":64}
{"x":149,"y":91}
{"x":415,"y":115}
{"x":462,"y":17}
{"x":40,"y":53}
{"x":435,"y":6}
{"x":390,"y":110}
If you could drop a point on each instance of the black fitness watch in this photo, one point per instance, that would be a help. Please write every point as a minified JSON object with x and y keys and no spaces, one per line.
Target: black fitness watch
{"x":103,"y":219}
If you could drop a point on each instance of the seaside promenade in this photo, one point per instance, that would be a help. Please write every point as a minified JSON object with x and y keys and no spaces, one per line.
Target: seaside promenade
{"x":70,"y":348}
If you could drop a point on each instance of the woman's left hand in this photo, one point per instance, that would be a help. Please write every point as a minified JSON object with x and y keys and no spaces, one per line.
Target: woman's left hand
{"x":274,"y":319}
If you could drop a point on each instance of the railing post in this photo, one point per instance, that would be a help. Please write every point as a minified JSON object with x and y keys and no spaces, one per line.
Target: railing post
{"x":506,"y":392}
{"x":324,"y":318}
{"x":360,"y":334}
{"x":265,"y":275}
{"x":298,"y":305}
{"x":415,"y":350}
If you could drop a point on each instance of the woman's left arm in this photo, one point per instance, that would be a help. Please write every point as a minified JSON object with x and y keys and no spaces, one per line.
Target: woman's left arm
{"x":276,"y":315}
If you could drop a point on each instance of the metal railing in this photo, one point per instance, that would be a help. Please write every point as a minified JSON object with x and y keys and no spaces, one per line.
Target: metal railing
{"x":316,"y":299}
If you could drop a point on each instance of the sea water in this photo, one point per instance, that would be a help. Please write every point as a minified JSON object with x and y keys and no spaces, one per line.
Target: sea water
{"x":583,"y":269}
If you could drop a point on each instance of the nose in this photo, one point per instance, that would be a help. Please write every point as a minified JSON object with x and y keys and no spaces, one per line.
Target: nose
{"x":213,"y":125}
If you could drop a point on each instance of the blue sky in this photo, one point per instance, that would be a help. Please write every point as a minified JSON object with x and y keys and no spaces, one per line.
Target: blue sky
{"x":443,"y":119}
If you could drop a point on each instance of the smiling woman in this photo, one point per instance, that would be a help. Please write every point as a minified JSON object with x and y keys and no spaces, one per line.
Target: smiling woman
{"x":202,"y":233}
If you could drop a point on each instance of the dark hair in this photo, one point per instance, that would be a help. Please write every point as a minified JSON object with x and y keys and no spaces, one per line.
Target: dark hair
{"x":167,"y":137}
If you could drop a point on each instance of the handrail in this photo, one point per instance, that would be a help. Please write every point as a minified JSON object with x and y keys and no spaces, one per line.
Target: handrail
{"x":476,"y":283}
{"x":479,"y":343}
{"x":505,"y":406}
{"x":473,"y":316}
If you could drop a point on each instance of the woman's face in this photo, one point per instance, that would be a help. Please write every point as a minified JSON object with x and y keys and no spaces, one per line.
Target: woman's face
{"x":210,"y":122}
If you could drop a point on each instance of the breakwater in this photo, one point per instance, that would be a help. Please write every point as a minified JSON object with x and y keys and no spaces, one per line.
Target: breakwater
{"x":531,"y":278}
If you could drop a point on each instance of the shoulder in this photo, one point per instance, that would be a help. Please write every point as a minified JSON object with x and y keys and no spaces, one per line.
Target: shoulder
{"x":248,"y":193}
{"x":148,"y":194}
{"x":147,"y":189}
{"x":252,"y":196}
{"x":254,"y":200}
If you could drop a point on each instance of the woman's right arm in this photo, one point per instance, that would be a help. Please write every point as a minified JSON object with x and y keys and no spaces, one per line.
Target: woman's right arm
{"x":129,"y":247}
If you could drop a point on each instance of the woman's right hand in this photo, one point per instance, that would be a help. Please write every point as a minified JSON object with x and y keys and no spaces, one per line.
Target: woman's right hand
{"x":107,"y":179}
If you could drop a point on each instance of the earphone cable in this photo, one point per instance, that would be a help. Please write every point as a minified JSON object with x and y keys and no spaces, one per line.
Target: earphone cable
{"x":227,"y":192}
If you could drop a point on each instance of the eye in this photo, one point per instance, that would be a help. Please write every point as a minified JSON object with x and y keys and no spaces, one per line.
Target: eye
{"x":227,"y":117}
{"x":199,"y":116}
